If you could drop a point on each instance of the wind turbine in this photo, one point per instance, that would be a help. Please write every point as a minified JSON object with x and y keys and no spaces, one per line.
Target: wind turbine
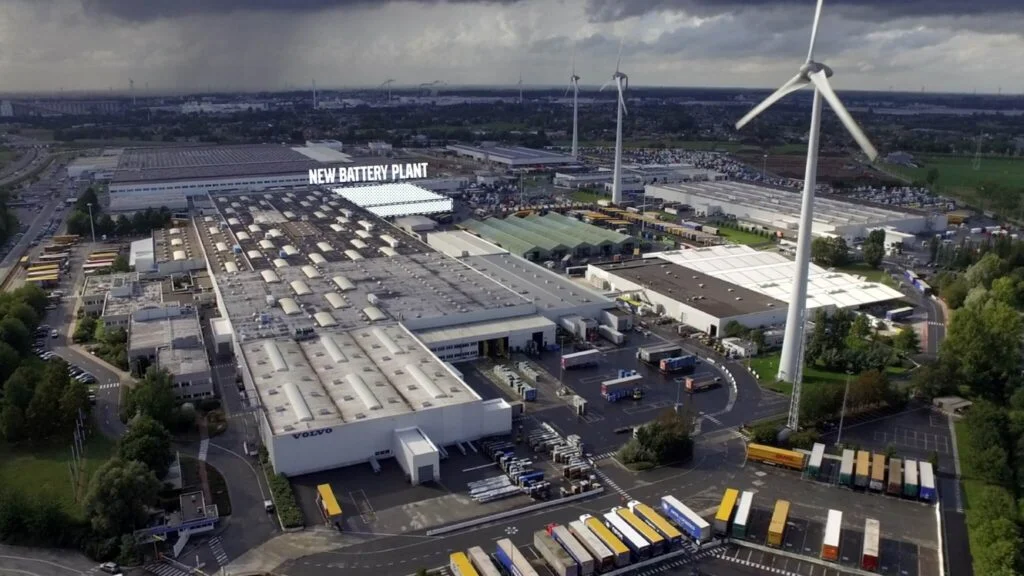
{"x":520,"y":84}
{"x":816,"y":73}
{"x":131,"y":88}
{"x":386,"y":85}
{"x":314,"y":94}
{"x":621,"y":84}
{"x":574,"y":85}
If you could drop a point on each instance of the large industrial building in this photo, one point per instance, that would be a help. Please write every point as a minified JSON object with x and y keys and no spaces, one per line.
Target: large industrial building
{"x":709,"y":287}
{"x":551,"y":237}
{"x":512,"y":156}
{"x":343,"y":326}
{"x":780,"y":209}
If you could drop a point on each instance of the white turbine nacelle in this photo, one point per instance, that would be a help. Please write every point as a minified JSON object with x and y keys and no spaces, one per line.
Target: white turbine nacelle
{"x":816,"y":74}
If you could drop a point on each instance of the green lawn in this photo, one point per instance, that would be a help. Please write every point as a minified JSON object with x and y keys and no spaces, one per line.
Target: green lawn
{"x":767,"y":367}
{"x":743,"y":237}
{"x":957,"y":174}
{"x":871,"y":274}
{"x":587,"y":197}
{"x":43,"y":471}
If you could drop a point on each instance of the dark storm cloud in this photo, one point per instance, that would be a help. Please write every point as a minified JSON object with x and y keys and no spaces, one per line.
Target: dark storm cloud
{"x":147,"y":10}
{"x":610,"y":10}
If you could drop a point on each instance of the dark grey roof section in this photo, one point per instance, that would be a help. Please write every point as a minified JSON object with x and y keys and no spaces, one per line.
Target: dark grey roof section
{"x":708,"y":294}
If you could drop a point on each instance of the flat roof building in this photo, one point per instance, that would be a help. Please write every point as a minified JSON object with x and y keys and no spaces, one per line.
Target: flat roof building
{"x":512,"y":156}
{"x":780,"y":209}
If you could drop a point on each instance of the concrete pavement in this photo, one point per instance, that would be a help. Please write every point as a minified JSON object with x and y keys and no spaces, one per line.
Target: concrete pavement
{"x":23,"y":561}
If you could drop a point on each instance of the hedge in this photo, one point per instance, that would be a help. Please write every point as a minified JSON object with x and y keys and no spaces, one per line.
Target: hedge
{"x":284,"y":499}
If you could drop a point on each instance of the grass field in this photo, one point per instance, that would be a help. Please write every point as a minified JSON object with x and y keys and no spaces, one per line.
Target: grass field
{"x":768,"y":366}
{"x":873,"y":275}
{"x":958,"y":177}
{"x":43,"y":472}
{"x":585,"y":196}
{"x":743,"y":237}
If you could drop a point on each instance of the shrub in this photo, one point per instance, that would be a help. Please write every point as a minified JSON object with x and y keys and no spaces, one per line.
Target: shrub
{"x":284,"y":499}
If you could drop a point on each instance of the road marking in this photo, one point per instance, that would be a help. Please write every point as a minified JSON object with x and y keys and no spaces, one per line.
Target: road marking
{"x":481,"y":467}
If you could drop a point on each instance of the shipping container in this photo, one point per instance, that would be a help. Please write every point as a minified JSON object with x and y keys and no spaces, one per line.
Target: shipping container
{"x":625,"y":383}
{"x":817,"y":456}
{"x":692,"y":524}
{"x":581,"y":359}
{"x":640,"y":548}
{"x":869,"y":554}
{"x":910,"y":486}
{"x":513,"y":559}
{"x":777,"y":527}
{"x":620,"y":552}
{"x":656,"y":540}
{"x":482,"y":562}
{"x":777,"y":456}
{"x":725,"y":511}
{"x":579,"y":553}
{"x":877,"y":473}
{"x":612,"y":335}
{"x":604,"y":560}
{"x":927,"y":478}
{"x":706,"y":383}
{"x":742,"y":518}
{"x":560,"y":562}
{"x":833,"y":531}
{"x":846,"y":468}
{"x":678,"y":364}
{"x":460,"y":565}
{"x":673,"y":537}
{"x":863,"y":469}
{"x":654,"y":354}
{"x":895,"y":484}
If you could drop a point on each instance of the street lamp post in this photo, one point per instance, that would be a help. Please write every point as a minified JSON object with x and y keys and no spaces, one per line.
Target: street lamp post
{"x":92,"y":226}
{"x":842,"y":411}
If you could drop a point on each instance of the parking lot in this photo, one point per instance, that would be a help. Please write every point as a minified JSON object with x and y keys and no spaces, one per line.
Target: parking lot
{"x":908,"y":543}
{"x":915,"y":434}
{"x":598,"y":425}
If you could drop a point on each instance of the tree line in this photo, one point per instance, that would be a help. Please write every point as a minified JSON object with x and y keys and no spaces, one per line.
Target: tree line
{"x":141,"y":223}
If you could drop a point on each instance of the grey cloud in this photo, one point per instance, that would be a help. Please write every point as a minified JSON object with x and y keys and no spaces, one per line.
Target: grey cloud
{"x":148,"y":10}
{"x":611,"y":10}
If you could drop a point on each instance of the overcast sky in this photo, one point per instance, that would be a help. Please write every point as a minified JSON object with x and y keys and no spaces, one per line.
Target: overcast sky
{"x":955,"y":45}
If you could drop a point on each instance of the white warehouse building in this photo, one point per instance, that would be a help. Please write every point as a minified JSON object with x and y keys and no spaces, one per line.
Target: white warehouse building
{"x":345,"y":398}
{"x":780,"y":209}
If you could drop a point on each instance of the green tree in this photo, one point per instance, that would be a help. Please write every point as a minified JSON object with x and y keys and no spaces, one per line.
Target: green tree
{"x":985,"y":271}
{"x":15,"y":334}
{"x":119,"y":496}
{"x":9,"y":359}
{"x":873,"y":255}
{"x":983,"y":343}
{"x":73,"y":400}
{"x":932,"y":177}
{"x":149,"y":442}
{"x":152,"y":396}
{"x":44,"y":409}
{"x":22,"y":311}
{"x":906,"y":342}
{"x":120,"y":264}
{"x":85,"y":330}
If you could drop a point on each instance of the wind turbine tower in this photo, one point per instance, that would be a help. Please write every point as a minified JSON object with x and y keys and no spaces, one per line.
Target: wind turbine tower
{"x":386,"y":85}
{"x":314,"y":94}
{"x":574,"y":85}
{"x":131,"y":88}
{"x":520,"y":84}
{"x":816,"y":74}
{"x":621,"y":84}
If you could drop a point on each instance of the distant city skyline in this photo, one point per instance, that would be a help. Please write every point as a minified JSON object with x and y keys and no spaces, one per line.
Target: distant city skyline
{"x":228,"y":45}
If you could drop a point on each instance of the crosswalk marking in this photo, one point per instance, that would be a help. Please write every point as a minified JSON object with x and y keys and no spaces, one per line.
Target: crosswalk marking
{"x":611,"y":483}
{"x":204,"y":447}
{"x":163,"y":569}
{"x":604,"y":456}
{"x":108,"y":386}
{"x":216,"y":546}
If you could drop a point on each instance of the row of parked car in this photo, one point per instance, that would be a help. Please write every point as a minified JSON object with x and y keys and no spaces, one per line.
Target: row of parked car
{"x":76,"y":372}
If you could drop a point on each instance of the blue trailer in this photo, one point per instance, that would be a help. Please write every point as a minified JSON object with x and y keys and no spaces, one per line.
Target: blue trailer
{"x":695,"y":527}
{"x":513,"y":560}
{"x":678,"y":364}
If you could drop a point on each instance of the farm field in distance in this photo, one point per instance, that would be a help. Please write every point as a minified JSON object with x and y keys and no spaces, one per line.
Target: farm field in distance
{"x":958,"y":177}
{"x":792,"y":162}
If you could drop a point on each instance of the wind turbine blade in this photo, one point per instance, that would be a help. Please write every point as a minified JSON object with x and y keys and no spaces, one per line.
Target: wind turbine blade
{"x":574,"y":59}
{"x":618,"y":60}
{"x":822,"y":84}
{"x":814,"y":30}
{"x":568,"y":89}
{"x":603,"y":86}
{"x":792,"y":85}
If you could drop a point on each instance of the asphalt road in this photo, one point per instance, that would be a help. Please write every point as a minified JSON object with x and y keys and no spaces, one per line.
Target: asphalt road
{"x":21,"y":561}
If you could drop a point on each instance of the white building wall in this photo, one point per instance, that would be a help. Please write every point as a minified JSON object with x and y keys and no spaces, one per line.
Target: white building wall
{"x":469,"y":317}
{"x":129,"y":197}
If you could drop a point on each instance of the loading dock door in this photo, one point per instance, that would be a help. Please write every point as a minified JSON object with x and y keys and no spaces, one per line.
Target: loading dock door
{"x":425,"y":474}
{"x":496,"y":348}
{"x":538,"y":340}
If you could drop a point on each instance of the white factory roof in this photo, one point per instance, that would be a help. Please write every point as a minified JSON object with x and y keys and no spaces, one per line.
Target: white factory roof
{"x":269,"y":276}
{"x":785,"y":203}
{"x":335,"y":300}
{"x":290,"y":250}
{"x":459,"y":243}
{"x":338,"y":378}
{"x":221,"y":247}
{"x":310,"y":271}
{"x":396,"y":199}
{"x":317,"y":258}
{"x":771,"y":274}
{"x":416,"y":441}
{"x":300,"y":288}
{"x":488,"y":330}
{"x":179,"y":255}
{"x":280,"y":263}
{"x":230,"y":267}
{"x":289,"y":306}
{"x":343,"y":283}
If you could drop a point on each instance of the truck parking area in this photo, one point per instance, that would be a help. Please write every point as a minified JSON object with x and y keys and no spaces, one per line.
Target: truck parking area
{"x":908,"y":531}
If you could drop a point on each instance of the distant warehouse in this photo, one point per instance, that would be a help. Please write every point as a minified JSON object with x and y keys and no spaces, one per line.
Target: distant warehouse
{"x":512,"y":156}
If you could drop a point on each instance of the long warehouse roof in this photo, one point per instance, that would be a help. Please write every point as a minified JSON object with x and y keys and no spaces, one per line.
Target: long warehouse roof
{"x":772,"y":274}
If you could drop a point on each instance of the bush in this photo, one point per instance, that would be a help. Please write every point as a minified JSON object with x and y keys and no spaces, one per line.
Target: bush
{"x":804,"y":439}
{"x":765,"y":433}
{"x":284,"y":500}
